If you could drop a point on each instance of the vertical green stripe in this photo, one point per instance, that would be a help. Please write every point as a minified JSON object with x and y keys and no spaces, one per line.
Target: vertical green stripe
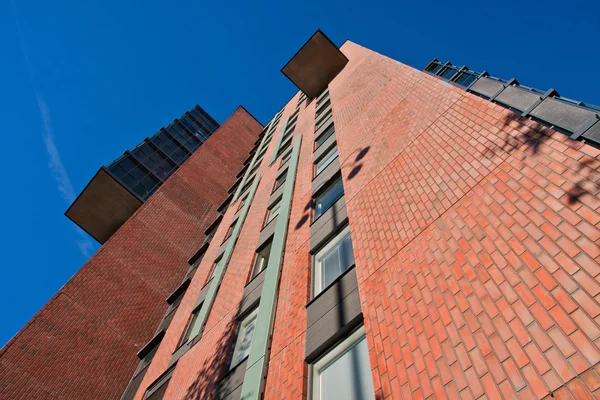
{"x":222,"y":266}
{"x":258,"y":358}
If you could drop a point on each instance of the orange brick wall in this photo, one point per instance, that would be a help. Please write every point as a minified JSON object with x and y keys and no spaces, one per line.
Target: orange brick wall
{"x":476,"y":239}
{"x":83,"y":342}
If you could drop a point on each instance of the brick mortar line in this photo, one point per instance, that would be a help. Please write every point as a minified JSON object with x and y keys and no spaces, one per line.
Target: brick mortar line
{"x":381,"y":171}
{"x":31,"y":378}
{"x":577,"y":376}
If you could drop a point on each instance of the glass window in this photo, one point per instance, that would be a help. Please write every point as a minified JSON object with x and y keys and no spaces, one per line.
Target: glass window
{"x":273,"y":212}
{"x":322,"y":107}
{"x":465,"y":79}
{"x":321,"y":139}
{"x":328,"y":196}
{"x":448,"y":73}
{"x":345,"y":371}
{"x":261,"y":261}
{"x":280,"y":180}
{"x":229,"y":231}
{"x":168,"y":146}
{"x":434,"y":68}
{"x":190,"y":327}
{"x":326,"y":160}
{"x":213,"y":269}
{"x":284,"y":147}
{"x":182,"y":136}
{"x":244,"y":338}
{"x":286,"y":157}
{"x":333,"y":260}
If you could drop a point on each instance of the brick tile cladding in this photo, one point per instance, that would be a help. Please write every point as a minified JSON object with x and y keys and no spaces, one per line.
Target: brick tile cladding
{"x":475,"y":235}
{"x":82,"y":344}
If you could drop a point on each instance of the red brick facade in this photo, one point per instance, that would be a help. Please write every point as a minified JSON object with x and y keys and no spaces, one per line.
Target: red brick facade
{"x":475,"y":233}
{"x":476,"y":239}
{"x":82,"y":344}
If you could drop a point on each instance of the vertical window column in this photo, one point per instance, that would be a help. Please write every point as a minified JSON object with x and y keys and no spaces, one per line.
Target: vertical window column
{"x":259,"y":351}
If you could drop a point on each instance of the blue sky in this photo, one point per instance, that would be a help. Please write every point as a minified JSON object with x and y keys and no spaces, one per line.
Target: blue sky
{"x":83,"y":81}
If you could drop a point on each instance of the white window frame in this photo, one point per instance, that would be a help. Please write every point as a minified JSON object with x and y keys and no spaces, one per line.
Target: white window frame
{"x":240,"y":335}
{"x":318,"y":268}
{"x":260,"y":260}
{"x":330,"y":357}
{"x":270,"y":214}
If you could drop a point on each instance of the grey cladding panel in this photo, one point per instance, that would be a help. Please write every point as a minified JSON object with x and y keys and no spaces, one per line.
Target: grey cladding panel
{"x":562,"y":114}
{"x":167,"y":320}
{"x":235,"y":395}
{"x":323,"y":128}
{"x":593,"y":133}
{"x":134,"y":385}
{"x":328,"y":224}
{"x":222,"y":249}
{"x":334,"y":325}
{"x":202,"y":295}
{"x":487,"y":87}
{"x":267,"y":233}
{"x":518,"y":98}
{"x":232,"y":381}
{"x":283,"y":166}
{"x":326,"y":175}
{"x":324,"y":148}
{"x":276,"y":196}
{"x":252,"y":293}
{"x":331,"y":297}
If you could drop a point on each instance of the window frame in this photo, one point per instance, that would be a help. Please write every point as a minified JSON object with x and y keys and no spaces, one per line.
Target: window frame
{"x":260,"y":255}
{"x":247,"y":318}
{"x":331,"y":356}
{"x":193,"y":318}
{"x":327,"y":157}
{"x":320,"y":194}
{"x":317,"y":269}
{"x":269,"y":217}
{"x":281,"y":178}
{"x":330,"y":130}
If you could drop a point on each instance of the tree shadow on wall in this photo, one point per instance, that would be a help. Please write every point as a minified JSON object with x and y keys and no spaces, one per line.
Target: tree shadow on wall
{"x":357,"y":165}
{"x":206,"y":384}
{"x":516,"y":134}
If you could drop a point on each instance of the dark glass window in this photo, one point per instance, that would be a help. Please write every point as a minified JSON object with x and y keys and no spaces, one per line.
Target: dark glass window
{"x":330,"y":131}
{"x":154,"y":160}
{"x":328,"y":196}
{"x":200,"y":132}
{"x":465,"y":79}
{"x":280,"y":181}
{"x":448,"y":73}
{"x":322,"y":108}
{"x":204,"y":120}
{"x":168,"y":146}
{"x":284,"y":147}
{"x":134,"y":176}
{"x":434,"y":68}
{"x":182,"y":136}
